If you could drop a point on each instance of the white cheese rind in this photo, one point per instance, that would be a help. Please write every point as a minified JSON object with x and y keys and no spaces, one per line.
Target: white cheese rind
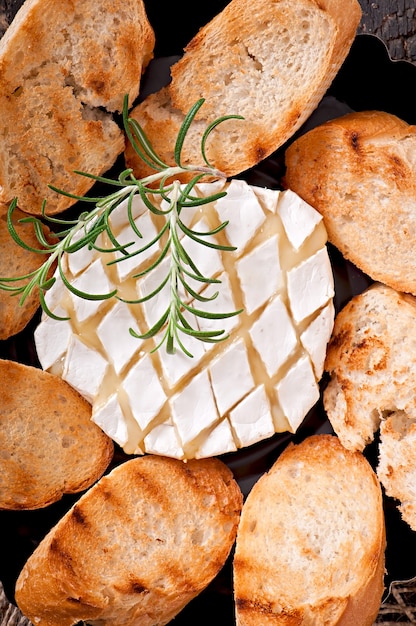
{"x":84,"y":369}
{"x":251,"y":268}
{"x":243,"y":212}
{"x":299,"y":218}
{"x":316,"y":336}
{"x":119,"y":217}
{"x":144,"y":391}
{"x":92,"y":281}
{"x":128,"y":265}
{"x":194,"y":409}
{"x":310,"y":285}
{"x":176,"y":366}
{"x":110,"y":418}
{"x":228,"y":395}
{"x":252,"y":419}
{"x":274,"y":336}
{"x":231,"y":377}
{"x":298,"y":392}
{"x":113,"y":332}
{"x":223,"y":303}
{"x":52,"y":338}
{"x":163,"y":440}
{"x":219,"y":441}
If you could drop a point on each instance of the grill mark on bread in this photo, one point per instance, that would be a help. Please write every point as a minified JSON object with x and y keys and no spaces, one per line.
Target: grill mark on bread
{"x":138,"y":587}
{"x":131,"y":539}
{"x":87,"y":45}
{"x":59,"y":553}
{"x":272,"y":70}
{"x":134,"y":586}
{"x":247,"y":605}
{"x":46,"y":418}
{"x":374,"y":390}
{"x":354,"y":137}
{"x":399,"y":170}
{"x":79,"y":517}
{"x":364,"y":165}
{"x":317,"y":499}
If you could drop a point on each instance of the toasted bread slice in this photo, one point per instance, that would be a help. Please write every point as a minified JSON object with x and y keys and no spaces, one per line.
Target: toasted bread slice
{"x":310,"y":544}
{"x":137,"y":547}
{"x":84,"y":56}
{"x":371,"y":360}
{"x":359,"y":172}
{"x":49,"y":445}
{"x":270,"y":62}
{"x":17,"y":261}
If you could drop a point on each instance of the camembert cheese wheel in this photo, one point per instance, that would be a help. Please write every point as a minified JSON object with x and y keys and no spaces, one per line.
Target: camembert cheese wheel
{"x":230,"y":394}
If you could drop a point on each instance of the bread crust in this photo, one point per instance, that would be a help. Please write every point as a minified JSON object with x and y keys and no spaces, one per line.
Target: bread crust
{"x":371,"y":362}
{"x":270,"y":62}
{"x":50,"y":122}
{"x":359,"y":172}
{"x":49,"y":444}
{"x":137,"y":547}
{"x":302,"y":527}
{"x":18,"y":261}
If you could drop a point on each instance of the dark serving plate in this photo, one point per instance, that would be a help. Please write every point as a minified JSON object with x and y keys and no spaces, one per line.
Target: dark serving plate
{"x":369,"y":79}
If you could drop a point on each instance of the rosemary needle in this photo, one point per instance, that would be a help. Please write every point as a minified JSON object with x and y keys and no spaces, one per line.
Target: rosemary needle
{"x":85,"y":230}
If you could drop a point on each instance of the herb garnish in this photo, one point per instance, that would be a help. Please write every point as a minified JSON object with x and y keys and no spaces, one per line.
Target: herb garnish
{"x":85,"y":230}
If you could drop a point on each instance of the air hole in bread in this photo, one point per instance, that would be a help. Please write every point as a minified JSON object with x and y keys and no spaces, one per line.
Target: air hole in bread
{"x":401,"y":423}
{"x":198,"y":537}
{"x":209,"y":500}
{"x":67,"y":442}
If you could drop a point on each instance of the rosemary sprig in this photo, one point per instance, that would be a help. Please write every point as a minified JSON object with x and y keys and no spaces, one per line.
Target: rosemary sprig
{"x":87,"y":228}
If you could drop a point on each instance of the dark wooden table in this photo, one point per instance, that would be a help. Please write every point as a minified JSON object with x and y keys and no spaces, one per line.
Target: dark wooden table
{"x":394,"y":21}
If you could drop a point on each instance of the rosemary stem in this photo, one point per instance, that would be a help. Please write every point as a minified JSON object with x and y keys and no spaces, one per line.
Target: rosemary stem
{"x":88,"y":228}
{"x":174,"y":261}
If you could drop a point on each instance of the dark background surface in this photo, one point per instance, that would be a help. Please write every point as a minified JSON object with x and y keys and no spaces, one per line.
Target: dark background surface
{"x":368,"y":79}
{"x":392,"y":20}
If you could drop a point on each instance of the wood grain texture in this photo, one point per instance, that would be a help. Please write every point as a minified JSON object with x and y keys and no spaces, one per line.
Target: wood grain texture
{"x":394,"y":21}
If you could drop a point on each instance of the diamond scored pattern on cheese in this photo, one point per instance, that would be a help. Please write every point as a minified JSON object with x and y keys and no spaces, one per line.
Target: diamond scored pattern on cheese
{"x":261,"y":380}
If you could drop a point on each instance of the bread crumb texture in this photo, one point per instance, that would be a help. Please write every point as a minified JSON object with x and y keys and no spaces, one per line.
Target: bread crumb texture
{"x":359,"y":172}
{"x":269,"y":62}
{"x":310,"y":544}
{"x":48,"y":444}
{"x":17,"y":261}
{"x":58,"y":88}
{"x":371,"y":361}
{"x":137,"y":547}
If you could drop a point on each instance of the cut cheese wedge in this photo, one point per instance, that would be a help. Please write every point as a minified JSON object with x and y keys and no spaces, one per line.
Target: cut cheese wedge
{"x":261,"y":380}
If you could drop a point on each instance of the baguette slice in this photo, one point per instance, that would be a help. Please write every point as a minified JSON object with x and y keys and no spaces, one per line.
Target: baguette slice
{"x":137,"y":547}
{"x":63,"y":67}
{"x":17,"y":261}
{"x":270,"y":62}
{"x":310,"y":544}
{"x":371,"y":361}
{"x":359,"y":172}
{"x":49,"y":445}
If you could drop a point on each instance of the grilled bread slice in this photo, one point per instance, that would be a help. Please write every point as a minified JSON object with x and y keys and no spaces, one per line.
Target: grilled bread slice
{"x":137,"y":547}
{"x":310,"y":544}
{"x":49,"y":445}
{"x":270,"y":62}
{"x":17,"y":261}
{"x":359,"y":172}
{"x":63,"y":67}
{"x":371,"y":362}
